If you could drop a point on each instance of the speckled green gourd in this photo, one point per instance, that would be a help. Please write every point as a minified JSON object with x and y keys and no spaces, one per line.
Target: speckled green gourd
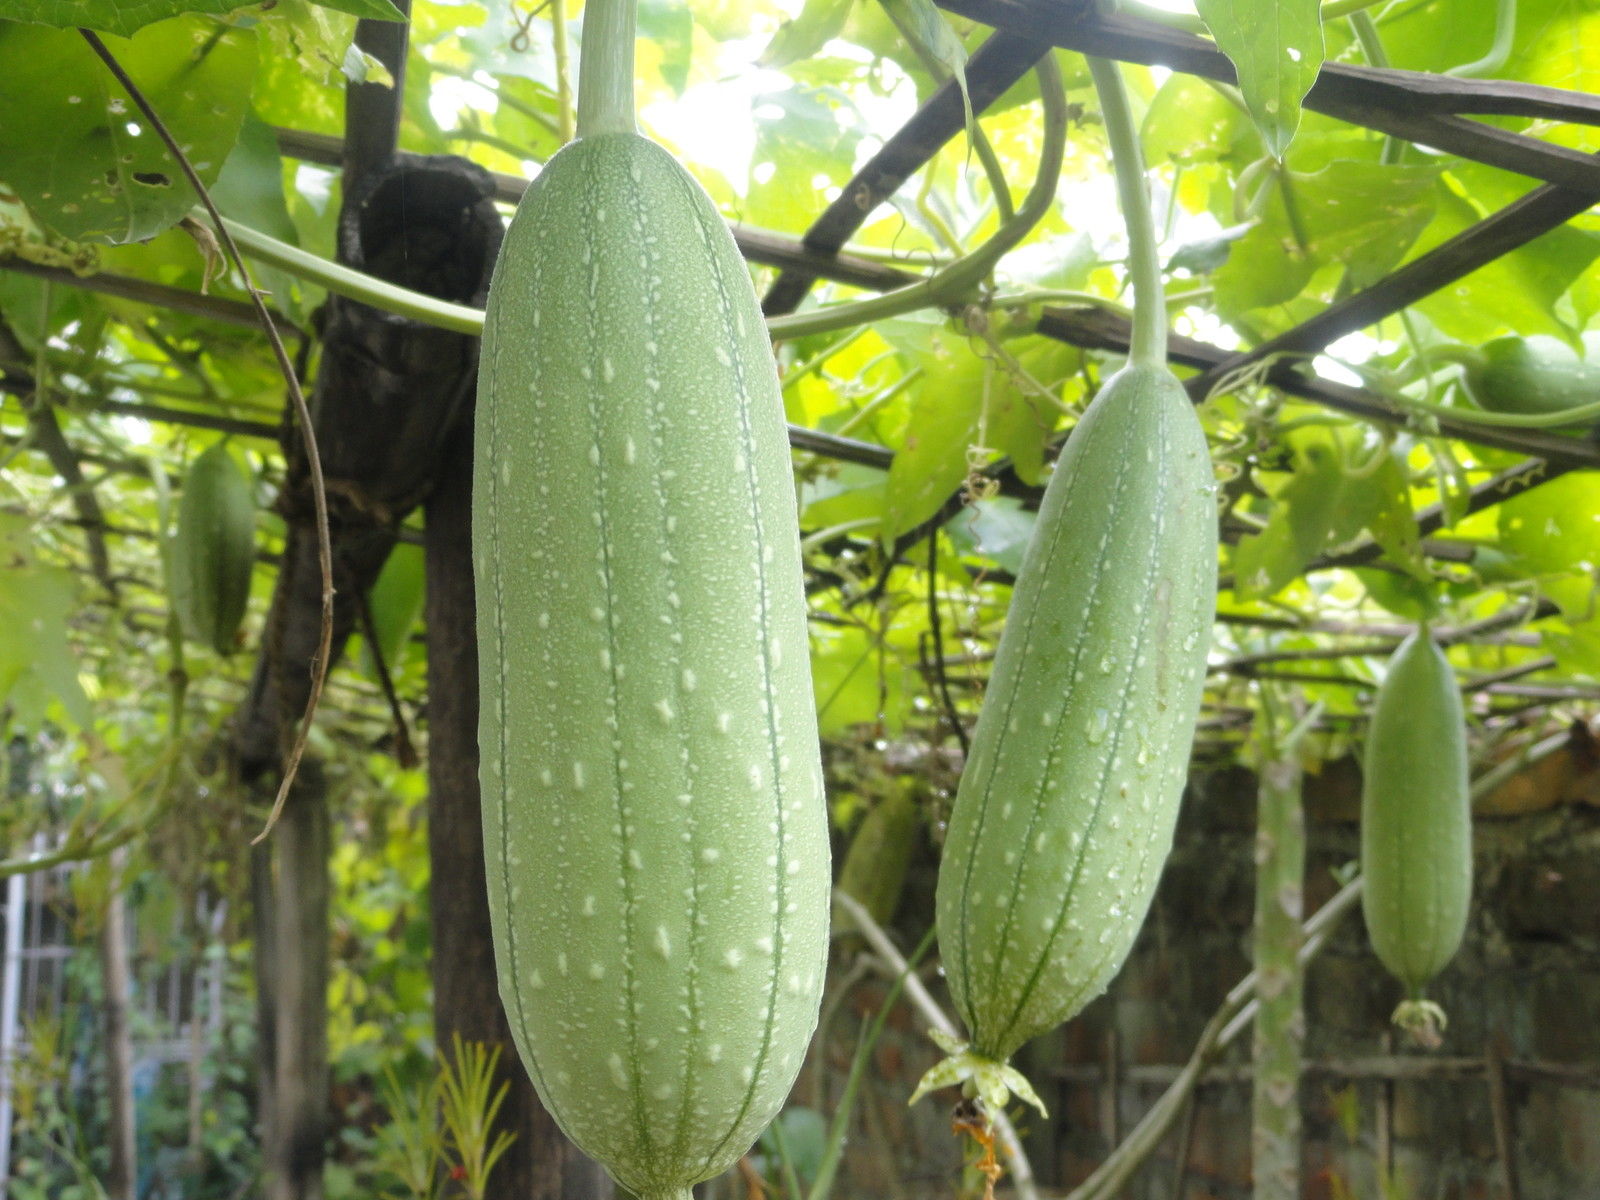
{"x":212,"y":551}
{"x":652,"y":797}
{"x":1066,"y":808}
{"x":1416,"y":816}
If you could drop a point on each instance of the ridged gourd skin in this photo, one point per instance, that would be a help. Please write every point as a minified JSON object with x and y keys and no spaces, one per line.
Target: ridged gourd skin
{"x":1066,"y":807}
{"x":1416,"y":816}
{"x":212,"y":552}
{"x":654,"y":822}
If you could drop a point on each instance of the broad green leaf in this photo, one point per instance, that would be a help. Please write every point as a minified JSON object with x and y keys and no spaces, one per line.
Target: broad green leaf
{"x":965,"y":412}
{"x":818,"y":23}
{"x":1574,"y":637}
{"x":805,"y":141}
{"x":1276,"y":48}
{"x":1327,"y":503}
{"x":996,"y":529}
{"x":250,"y":189}
{"x":1412,"y":599}
{"x":1518,"y":292}
{"x":126,"y":17}
{"x":396,"y":602}
{"x":857,"y":681}
{"x":852,"y":493}
{"x":1555,"y":528}
{"x":1357,"y":216}
{"x":79,"y":153}
{"x":669,"y":28}
{"x":1189,"y":122}
{"x":36,"y":664}
{"x":925,"y":27}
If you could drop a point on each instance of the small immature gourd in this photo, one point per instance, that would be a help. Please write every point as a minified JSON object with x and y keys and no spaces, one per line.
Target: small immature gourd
{"x":1532,"y":376}
{"x":212,"y":550}
{"x":1416,"y":825}
{"x":654,"y":828}
{"x":873,"y":872}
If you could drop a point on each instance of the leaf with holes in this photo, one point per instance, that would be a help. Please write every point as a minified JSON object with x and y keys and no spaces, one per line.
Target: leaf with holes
{"x":126,"y":17}
{"x":79,"y":153}
{"x":1276,"y":49}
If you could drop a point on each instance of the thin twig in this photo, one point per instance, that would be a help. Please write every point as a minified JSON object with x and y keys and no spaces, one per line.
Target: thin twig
{"x":937,"y":634}
{"x":405,"y":754}
{"x":319,"y":662}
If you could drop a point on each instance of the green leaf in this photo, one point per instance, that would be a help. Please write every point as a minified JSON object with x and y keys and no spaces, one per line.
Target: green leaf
{"x":78,"y":151}
{"x":858,"y":682}
{"x":805,"y":139}
{"x":36,"y":663}
{"x":1518,"y":292}
{"x":126,"y":17}
{"x":930,"y":34}
{"x":1189,"y":122}
{"x":1555,"y":528}
{"x":964,"y":412}
{"x":396,"y":601}
{"x":250,"y":189}
{"x":1326,"y":504}
{"x":996,"y":529}
{"x":1276,"y":48}
{"x":819,"y":22}
{"x":1204,"y":255}
{"x":1357,"y":216}
{"x":670,"y":27}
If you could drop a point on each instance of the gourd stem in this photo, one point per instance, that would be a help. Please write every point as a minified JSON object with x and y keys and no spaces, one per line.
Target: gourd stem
{"x":605,"y":68}
{"x":1148,"y":345}
{"x":957,"y":280}
{"x":1505,"y":33}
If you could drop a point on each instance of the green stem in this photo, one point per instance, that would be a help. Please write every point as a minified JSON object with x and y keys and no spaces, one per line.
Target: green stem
{"x":1190,"y":23}
{"x":355,"y":285}
{"x":957,"y":280}
{"x":503,"y":98}
{"x":1062,"y":296}
{"x":801,"y":369}
{"x":605,"y":68}
{"x":878,"y":401}
{"x":1505,"y":32}
{"x":1366,"y":31}
{"x":1291,"y":207}
{"x":504,"y":145}
{"x":558,"y":42}
{"x":987,"y":158}
{"x":1580,"y":415}
{"x":1148,"y":345}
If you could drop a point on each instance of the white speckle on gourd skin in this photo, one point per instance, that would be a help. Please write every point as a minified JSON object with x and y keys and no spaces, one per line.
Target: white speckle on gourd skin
{"x":695,"y":570}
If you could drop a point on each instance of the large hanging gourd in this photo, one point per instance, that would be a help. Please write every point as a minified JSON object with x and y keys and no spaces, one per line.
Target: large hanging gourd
{"x":1066,"y":808}
{"x":653,"y":813}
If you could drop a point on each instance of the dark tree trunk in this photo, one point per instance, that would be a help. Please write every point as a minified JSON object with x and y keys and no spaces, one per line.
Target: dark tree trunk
{"x":541,"y":1164}
{"x":387,"y":394}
